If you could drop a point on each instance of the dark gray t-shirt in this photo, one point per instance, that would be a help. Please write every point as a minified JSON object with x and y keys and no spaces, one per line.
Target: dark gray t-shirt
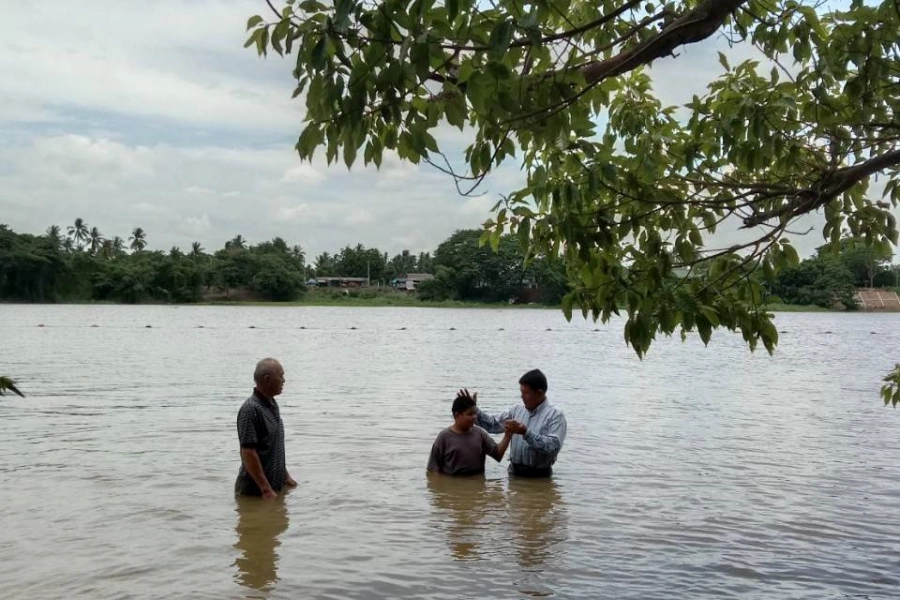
{"x":461,"y":453}
{"x":259,"y":427}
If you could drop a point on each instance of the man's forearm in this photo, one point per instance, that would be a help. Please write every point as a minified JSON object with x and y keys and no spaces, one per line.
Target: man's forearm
{"x":487,"y":422}
{"x":255,"y":468}
{"x":544,"y":443}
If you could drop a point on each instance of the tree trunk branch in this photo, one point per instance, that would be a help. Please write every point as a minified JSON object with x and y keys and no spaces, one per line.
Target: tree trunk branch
{"x":692,"y":27}
{"x":827,"y":189}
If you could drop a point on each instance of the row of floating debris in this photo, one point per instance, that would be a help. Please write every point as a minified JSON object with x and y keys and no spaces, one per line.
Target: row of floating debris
{"x":351,"y":328}
{"x":354,"y":328}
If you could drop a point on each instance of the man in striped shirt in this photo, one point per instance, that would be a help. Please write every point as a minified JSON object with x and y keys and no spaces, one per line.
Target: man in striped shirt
{"x":261,"y":436}
{"x":540,"y":428}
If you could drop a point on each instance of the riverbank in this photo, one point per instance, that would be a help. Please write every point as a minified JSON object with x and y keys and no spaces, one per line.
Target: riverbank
{"x":382,"y":298}
{"x":412,"y":301}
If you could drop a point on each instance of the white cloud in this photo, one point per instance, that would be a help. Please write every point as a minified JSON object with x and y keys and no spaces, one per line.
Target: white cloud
{"x":166,"y":59}
{"x":302,"y":173}
{"x":196,"y":189}
{"x":176,"y":195}
{"x":197,"y":227}
{"x":152,"y":114}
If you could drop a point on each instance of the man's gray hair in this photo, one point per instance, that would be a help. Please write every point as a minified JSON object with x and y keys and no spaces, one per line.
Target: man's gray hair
{"x":266,"y":366}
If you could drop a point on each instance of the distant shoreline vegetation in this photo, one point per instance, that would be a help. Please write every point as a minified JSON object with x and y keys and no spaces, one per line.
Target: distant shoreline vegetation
{"x":84,"y":266}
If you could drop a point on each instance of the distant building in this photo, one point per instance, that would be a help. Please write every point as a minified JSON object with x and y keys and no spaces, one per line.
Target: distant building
{"x":877,"y":299}
{"x":409,"y":281}
{"x":339,"y":282}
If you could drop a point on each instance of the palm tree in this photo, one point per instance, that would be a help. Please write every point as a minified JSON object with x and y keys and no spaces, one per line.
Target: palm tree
{"x":106,"y":249}
{"x":96,"y":240}
{"x":325,"y":265}
{"x":196,"y":249}
{"x":237,"y":243}
{"x":79,"y":233}
{"x":298,"y":253}
{"x":54,"y":234}
{"x":138,"y":239}
{"x":118,"y":245}
{"x":68,"y":245}
{"x":7,"y":384}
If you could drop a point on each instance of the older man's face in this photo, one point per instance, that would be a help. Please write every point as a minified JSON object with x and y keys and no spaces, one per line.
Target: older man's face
{"x":273,"y":383}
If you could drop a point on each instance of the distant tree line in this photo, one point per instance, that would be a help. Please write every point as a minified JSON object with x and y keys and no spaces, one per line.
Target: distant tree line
{"x":831,"y":278}
{"x":81,"y":264}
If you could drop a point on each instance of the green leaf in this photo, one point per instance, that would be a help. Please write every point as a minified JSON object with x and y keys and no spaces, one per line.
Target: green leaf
{"x":524,"y":232}
{"x":349,"y":154}
{"x":724,"y":62}
{"x":466,"y":69}
{"x":253,"y":22}
{"x":501,"y":36}
{"x":704,"y":328}
{"x":498,"y":70}
{"x":452,"y":9}
{"x":711,"y":315}
{"x":319,"y":56}
{"x":790,"y":254}
{"x":455,"y":111}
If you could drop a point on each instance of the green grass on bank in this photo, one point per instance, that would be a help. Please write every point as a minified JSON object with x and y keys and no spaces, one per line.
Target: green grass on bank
{"x":368,"y":298}
{"x":375,"y":298}
{"x":386,"y":297}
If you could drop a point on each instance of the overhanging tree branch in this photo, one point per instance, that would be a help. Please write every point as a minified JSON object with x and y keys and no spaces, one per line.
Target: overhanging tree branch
{"x":826,"y":190}
{"x":692,"y":27}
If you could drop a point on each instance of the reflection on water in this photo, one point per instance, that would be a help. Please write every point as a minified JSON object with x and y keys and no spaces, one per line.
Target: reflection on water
{"x":521,"y":522}
{"x":260,"y":524}
{"x":530,"y":511}
{"x":538,"y":516}
{"x":466,"y":506}
{"x":539,"y":521}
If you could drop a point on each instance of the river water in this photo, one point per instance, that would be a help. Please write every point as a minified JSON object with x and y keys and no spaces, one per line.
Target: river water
{"x":696,"y":473}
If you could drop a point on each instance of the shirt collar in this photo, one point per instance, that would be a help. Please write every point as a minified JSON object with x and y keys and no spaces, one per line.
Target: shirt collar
{"x":264,"y":398}
{"x":539,"y":407}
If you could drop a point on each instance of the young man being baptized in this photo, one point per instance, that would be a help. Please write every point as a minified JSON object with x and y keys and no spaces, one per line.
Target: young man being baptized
{"x":461,"y":448}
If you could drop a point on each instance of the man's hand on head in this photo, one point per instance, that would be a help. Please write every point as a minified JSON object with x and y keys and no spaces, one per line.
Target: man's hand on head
{"x":464,"y":393}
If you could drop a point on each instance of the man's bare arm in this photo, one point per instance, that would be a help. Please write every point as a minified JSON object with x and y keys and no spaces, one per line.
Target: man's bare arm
{"x":255,"y":468}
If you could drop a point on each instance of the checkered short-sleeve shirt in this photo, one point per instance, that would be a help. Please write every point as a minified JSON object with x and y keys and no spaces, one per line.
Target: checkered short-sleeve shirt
{"x":260,"y":427}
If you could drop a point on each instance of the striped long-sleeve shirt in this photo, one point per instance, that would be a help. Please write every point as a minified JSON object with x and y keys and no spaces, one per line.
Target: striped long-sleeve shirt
{"x":541,"y":444}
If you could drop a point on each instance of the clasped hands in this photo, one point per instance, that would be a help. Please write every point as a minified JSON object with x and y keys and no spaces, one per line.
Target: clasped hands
{"x":513,"y":426}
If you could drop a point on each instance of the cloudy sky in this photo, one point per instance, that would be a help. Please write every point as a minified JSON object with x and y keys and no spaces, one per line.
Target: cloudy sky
{"x":152,"y":114}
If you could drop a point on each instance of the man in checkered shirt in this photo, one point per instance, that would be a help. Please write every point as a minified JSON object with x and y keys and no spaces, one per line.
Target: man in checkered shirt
{"x":261,"y":435}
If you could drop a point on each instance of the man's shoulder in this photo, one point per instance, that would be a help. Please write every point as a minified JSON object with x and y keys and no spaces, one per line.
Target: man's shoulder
{"x":554,"y":407}
{"x":555,"y":411}
{"x":251,"y":404}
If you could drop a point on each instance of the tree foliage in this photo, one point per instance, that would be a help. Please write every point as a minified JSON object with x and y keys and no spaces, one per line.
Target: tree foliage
{"x":890,"y":391}
{"x":469,"y":270}
{"x":627,"y":191}
{"x":8,"y":385}
{"x":831,"y":277}
{"x":47,"y":269}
